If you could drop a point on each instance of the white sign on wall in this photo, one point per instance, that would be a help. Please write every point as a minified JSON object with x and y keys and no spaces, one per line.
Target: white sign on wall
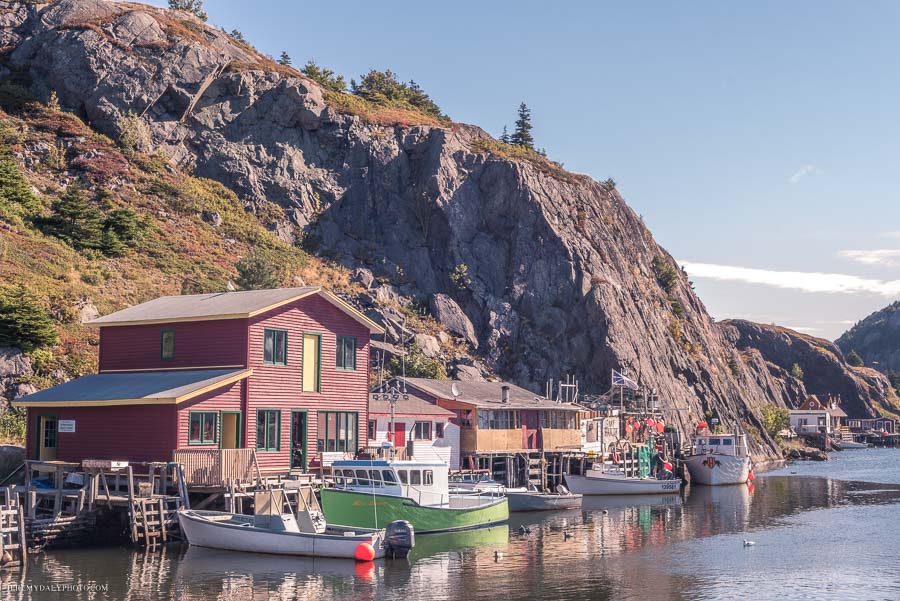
{"x":65,"y":425}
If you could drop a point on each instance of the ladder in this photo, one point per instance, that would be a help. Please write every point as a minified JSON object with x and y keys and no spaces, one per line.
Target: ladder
{"x":13,"y":549}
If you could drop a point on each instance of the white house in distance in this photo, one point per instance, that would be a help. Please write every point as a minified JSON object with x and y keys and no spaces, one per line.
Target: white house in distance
{"x":814,"y":416}
{"x":427,"y":425}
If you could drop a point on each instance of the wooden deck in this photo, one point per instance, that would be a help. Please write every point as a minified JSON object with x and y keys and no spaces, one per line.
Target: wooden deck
{"x":215,"y":468}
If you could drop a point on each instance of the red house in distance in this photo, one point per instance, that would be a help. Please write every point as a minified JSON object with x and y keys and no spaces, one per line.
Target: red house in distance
{"x":281,"y":372}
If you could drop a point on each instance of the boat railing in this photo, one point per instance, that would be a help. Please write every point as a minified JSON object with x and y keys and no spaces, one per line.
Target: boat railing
{"x":427,"y":497}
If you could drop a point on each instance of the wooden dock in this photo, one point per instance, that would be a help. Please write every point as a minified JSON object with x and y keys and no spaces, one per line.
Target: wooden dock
{"x":13,"y":550}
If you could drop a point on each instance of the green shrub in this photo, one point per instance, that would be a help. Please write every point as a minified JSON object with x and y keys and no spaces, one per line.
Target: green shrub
{"x":325,"y":77}
{"x":256,"y":271}
{"x":775,"y":419}
{"x":12,"y":425}
{"x":854,"y":359}
{"x":382,"y":87}
{"x":677,"y":308}
{"x":24,"y":323}
{"x":74,"y":221}
{"x":133,"y":133}
{"x":17,"y":201}
{"x":418,"y":366}
{"x":797,"y":371}
{"x":460,"y":276}
{"x":666,"y":275}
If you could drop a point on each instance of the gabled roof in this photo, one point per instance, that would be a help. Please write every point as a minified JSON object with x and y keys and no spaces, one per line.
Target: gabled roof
{"x":486,"y":395}
{"x":222,"y":305}
{"x":136,"y":388}
{"x":406,"y":407}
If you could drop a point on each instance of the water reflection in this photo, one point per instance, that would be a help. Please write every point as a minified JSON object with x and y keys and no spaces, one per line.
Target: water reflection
{"x":659,"y":547}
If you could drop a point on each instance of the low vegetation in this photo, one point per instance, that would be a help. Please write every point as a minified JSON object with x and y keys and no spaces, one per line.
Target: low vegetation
{"x":775,"y":419}
{"x":417,"y":365}
{"x":797,"y":371}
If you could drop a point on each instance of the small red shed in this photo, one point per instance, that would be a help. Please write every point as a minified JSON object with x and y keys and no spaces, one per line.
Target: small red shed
{"x":283,"y":372}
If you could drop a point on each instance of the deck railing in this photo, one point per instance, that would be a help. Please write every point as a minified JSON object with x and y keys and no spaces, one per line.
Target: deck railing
{"x":215,"y":467}
{"x":384,"y":452}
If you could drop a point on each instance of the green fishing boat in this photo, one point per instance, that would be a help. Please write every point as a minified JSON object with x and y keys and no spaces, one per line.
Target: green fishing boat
{"x":371,"y":494}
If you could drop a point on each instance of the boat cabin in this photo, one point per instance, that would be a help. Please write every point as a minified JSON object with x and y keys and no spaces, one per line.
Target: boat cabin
{"x":734,"y":445}
{"x":424,"y":482}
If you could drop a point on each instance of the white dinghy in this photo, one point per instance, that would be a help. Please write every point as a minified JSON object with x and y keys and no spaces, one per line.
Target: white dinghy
{"x":273,"y":531}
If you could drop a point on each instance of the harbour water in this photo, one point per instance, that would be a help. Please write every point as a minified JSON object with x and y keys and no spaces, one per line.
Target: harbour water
{"x":821,"y":531}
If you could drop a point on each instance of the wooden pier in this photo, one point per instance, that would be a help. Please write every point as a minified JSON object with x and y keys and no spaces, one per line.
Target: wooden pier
{"x":13,"y":550}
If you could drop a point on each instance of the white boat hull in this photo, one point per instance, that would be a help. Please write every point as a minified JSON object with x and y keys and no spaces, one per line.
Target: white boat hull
{"x":612,"y":484}
{"x":203,"y":532}
{"x":536,"y":501}
{"x":713,"y":469}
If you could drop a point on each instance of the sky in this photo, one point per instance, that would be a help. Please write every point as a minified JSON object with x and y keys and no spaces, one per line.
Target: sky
{"x":758,"y":140}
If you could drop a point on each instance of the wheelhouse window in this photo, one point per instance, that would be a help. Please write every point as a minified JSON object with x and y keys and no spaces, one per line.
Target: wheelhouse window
{"x":268,"y":429}
{"x":275,"y":347}
{"x":429,"y":477}
{"x":422,"y":431}
{"x":346,"y":352}
{"x":415,"y":477}
{"x":338,"y":431}
{"x":203,"y":427}
{"x":404,"y":476}
{"x":167,"y":345}
{"x":312,"y":356}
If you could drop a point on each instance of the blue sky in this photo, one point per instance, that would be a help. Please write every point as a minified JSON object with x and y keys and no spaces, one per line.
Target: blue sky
{"x":759,"y":141}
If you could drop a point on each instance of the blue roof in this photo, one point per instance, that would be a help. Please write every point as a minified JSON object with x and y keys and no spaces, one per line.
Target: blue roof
{"x":134,"y":387}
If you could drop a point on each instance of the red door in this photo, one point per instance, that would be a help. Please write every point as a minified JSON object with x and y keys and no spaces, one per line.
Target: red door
{"x":530,"y":425}
{"x":399,"y":435}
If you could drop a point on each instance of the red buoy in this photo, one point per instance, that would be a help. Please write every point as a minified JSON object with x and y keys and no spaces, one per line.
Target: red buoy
{"x":364,"y":552}
{"x":751,"y":477}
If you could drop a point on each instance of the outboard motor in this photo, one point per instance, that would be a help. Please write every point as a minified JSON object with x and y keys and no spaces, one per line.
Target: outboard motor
{"x":399,"y":539}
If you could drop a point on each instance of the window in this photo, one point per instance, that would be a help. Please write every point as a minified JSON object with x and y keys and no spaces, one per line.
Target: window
{"x":558,"y":420}
{"x":429,"y":477}
{"x":337,"y":431}
{"x":404,"y":476}
{"x":346,"y":352}
{"x":714,"y":442}
{"x":167,"y":345}
{"x":203,"y":427}
{"x":415,"y":477}
{"x":439,"y":429}
{"x":375,"y":475}
{"x":312,"y":346}
{"x":389,"y":477}
{"x":463,"y":418}
{"x":275,"y":347}
{"x":499,"y":420}
{"x":372,"y":429}
{"x":422,"y":431}
{"x":268,"y":429}
{"x":727,"y":442}
{"x":50,"y":432}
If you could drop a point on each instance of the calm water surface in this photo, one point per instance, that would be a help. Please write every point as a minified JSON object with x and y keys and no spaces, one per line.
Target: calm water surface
{"x":822,"y":531}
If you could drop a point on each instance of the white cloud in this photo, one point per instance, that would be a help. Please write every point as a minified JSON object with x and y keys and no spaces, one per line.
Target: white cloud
{"x":803,"y":172}
{"x":888,"y":257}
{"x":794,"y":280}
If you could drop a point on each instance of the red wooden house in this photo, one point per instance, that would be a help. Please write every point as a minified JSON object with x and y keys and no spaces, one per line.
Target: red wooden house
{"x":282,"y":372}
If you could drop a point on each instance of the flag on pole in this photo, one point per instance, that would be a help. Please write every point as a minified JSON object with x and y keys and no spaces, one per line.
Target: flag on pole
{"x":621,"y":380}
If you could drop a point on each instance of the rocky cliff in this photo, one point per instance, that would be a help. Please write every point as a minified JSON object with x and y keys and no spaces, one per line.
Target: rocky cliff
{"x":536,"y":272}
{"x":876,"y":339}
{"x":864,"y":392}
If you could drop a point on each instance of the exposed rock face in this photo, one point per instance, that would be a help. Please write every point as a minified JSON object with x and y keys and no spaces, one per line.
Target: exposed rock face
{"x":876,"y":338}
{"x":562,"y":270}
{"x":14,"y":366}
{"x":825,"y":372}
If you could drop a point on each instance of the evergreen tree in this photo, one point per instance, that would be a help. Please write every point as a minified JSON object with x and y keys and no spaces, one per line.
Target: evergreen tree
{"x":522,"y":136}
{"x":256,"y":272}
{"x":237,"y":36}
{"x":74,"y":220}
{"x":383,"y":87}
{"x":324,"y":77}
{"x":24,"y":323}
{"x":285,"y":59}
{"x":504,"y":137}
{"x":17,"y":201}
{"x":195,"y":7}
{"x":854,"y":359}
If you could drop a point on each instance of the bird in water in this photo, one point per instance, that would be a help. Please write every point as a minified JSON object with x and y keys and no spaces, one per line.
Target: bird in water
{"x":566,"y":535}
{"x":498,"y":555}
{"x":605,"y":511}
{"x":749,"y":543}
{"x":524,"y":530}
